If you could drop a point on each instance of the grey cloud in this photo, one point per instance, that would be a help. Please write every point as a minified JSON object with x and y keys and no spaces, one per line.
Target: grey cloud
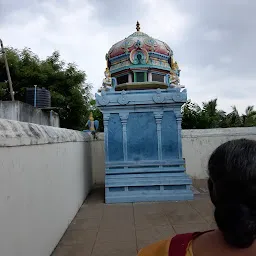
{"x":115,"y":12}
{"x":10,"y":6}
{"x":33,"y":7}
{"x":235,"y":21}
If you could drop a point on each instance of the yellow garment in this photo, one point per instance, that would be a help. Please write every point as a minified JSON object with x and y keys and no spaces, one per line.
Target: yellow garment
{"x":161,"y":248}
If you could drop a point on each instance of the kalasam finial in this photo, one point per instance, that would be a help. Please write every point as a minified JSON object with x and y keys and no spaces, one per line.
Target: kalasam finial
{"x":138,"y":26}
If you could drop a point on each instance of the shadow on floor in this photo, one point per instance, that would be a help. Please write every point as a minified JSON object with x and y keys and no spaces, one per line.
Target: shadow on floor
{"x":97,"y":195}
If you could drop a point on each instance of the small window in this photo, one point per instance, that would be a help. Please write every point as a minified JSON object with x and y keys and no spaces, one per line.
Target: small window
{"x":140,"y":77}
{"x":122,"y":79}
{"x":157,"y":77}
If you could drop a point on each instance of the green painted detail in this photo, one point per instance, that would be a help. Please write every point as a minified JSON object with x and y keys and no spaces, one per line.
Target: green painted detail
{"x":140,"y":77}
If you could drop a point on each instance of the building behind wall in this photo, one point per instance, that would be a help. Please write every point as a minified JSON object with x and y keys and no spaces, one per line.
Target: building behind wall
{"x":23,"y":112}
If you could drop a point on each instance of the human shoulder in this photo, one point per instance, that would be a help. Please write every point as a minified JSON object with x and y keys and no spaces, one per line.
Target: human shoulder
{"x":160,"y":248}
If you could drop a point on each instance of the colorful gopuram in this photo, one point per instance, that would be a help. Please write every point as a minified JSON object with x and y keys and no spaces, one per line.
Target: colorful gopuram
{"x":141,"y":99}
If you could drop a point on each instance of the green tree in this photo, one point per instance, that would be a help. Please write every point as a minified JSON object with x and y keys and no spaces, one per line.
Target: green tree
{"x":249,"y":119}
{"x":233,"y":119}
{"x":191,"y":113}
{"x":210,"y":116}
{"x":67,"y":84}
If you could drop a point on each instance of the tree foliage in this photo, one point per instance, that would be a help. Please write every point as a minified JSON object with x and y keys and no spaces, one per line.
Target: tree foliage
{"x":67,"y":84}
{"x":209,"y":116}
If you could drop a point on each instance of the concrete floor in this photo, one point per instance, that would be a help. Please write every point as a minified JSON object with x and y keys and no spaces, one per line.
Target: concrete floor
{"x":122,"y":229}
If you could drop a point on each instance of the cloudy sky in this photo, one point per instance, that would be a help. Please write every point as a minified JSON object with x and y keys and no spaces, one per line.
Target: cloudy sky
{"x":213,"y":40}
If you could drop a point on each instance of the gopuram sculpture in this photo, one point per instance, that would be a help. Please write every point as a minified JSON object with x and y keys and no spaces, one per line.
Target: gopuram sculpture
{"x":175,"y":73}
{"x":141,"y":99}
{"x":107,"y":81}
{"x":93,"y":126}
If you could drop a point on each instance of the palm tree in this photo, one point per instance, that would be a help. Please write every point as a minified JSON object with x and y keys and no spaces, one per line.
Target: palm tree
{"x":233,"y":119}
{"x":190,"y":112}
{"x":211,"y":117}
{"x":249,"y":119}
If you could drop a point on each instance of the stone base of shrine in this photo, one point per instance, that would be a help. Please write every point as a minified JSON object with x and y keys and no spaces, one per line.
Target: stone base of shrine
{"x":147,"y":187}
{"x":142,"y":139}
{"x":145,"y":196}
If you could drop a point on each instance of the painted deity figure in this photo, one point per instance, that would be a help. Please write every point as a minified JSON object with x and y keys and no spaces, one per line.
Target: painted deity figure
{"x":138,"y":44}
{"x":175,"y":74}
{"x":93,"y":126}
{"x":107,"y":81}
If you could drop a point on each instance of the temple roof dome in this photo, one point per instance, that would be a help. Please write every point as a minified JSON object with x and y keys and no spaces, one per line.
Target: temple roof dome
{"x":140,"y":62}
{"x":147,"y":42}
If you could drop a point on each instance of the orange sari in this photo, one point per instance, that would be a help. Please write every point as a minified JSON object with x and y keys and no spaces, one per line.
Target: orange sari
{"x":179,"y":245}
{"x":161,"y":248}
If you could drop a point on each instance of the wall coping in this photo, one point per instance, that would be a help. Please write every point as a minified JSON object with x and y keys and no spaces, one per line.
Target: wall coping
{"x":15,"y":133}
{"x":216,"y":132}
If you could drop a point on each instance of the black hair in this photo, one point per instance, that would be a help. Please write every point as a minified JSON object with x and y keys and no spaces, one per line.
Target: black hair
{"x":232,"y":187}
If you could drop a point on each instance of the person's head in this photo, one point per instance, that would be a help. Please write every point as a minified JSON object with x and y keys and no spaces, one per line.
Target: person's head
{"x":232,"y":187}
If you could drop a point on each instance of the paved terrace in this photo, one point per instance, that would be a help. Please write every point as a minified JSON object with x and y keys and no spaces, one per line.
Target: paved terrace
{"x":122,"y":229}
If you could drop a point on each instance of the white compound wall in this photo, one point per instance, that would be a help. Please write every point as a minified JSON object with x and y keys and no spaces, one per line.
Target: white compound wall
{"x":45,"y":175}
{"x":197,"y":146}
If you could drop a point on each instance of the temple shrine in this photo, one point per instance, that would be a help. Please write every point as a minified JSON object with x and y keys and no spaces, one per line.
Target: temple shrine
{"x":141,"y":99}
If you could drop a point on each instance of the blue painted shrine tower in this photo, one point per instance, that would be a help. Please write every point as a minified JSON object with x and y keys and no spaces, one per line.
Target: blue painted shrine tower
{"x":141,"y":101}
